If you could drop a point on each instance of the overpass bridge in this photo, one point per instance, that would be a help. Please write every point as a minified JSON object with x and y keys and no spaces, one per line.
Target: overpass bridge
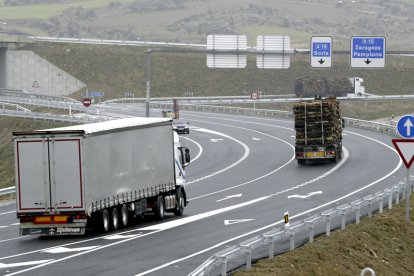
{"x":25,"y":70}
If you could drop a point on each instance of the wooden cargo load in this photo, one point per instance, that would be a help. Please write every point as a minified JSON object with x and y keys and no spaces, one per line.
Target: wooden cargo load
{"x":317,"y":122}
{"x":309,"y":86}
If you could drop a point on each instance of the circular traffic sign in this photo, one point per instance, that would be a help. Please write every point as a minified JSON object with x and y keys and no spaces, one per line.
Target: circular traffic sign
{"x":405,"y":126}
{"x":87,"y":102}
{"x":254,"y":95}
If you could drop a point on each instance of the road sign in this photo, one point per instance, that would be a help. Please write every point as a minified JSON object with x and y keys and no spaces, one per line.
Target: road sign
{"x":254,"y":95}
{"x":405,"y":148}
{"x":321,"y":52}
{"x":96,"y":94}
{"x":405,"y":126}
{"x":368,"y":52}
{"x":269,"y":43}
{"x":129,"y":94}
{"x":286,"y":219}
{"x":87,"y":102}
{"x":229,"y":45}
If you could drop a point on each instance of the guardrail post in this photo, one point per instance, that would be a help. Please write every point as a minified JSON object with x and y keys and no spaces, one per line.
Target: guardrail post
{"x":343,"y":222}
{"x":248,"y":251}
{"x":358,"y":213}
{"x":370,"y":208}
{"x":397,"y":200}
{"x":311,"y":227}
{"x":271,"y":242}
{"x":328,"y":226}
{"x":223,"y":261}
{"x":390,"y":199}
{"x":292,"y":239}
{"x":381,"y":205}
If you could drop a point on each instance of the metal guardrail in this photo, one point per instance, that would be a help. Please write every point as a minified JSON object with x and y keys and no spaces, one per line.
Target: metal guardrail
{"x":7,"y":191}
{"x":328,"y":220}
{"x":13,"y":106}
{"x":82,"y":119}
{"x":227,"y":100}
{"x":22,"y":94}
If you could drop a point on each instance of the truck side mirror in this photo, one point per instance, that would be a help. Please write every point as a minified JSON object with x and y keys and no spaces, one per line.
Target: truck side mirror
{"x":343,"y":123}
{"x":187,"y":156}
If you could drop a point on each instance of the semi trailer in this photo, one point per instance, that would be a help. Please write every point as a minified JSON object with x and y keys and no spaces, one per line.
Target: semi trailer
{"x":98,"y":176}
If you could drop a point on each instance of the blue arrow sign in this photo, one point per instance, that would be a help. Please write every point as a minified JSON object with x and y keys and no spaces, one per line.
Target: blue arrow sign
{"x":405,"y":126}
{"x":96,"y":94}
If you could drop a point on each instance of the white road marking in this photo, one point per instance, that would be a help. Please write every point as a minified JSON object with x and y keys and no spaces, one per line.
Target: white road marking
{"x":246,"y":153}
{"x":23,"y":264}
{"x":3,"y":226}
{"x":5,"y":213}
{"x":228,"y":197}
{"x":258,"y":178}
{"x":256,"y":139}
{"x":17,"y":223}
{"x":61,"y":249}
{"x":119,"y":237}
{"x":235,"y":221}
{"x":305,"y":196}
{"x":215,"y":140}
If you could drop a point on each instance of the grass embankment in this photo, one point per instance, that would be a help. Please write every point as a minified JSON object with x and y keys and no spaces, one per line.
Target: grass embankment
{"x":384,"y":243}
{"x":115,"y":70}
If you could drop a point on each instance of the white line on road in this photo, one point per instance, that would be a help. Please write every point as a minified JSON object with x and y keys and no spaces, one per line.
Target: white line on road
{"x":5,"y":213}
{"x":305,"y":196}
{"x":246,"y":153}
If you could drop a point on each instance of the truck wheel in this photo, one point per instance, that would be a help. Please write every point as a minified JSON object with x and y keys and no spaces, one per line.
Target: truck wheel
{"x":160,"y":209}
{"x":105,"y":221}
{"x":114,"y":219}
{"x":179,"y":210}
{"x":124,"y":215}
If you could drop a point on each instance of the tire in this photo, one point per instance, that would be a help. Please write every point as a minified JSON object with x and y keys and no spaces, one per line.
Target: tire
{"x":114,"y":219}
{"x":301,"y":162}
{"x":160,"y":209}
{"x":104,"y":221}
{"x":124,"y":215}
{"x":179,"y":210}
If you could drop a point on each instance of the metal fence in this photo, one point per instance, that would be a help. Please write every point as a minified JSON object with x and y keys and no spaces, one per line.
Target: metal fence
{"x":77,"y":119}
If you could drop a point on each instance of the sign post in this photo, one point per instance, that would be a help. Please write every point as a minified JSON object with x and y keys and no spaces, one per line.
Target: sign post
{"x":405,"y":148}
{"x":254,"y":96}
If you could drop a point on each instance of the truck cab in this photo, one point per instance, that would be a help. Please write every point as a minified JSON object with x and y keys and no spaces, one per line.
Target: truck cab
{"x":358,"y":87}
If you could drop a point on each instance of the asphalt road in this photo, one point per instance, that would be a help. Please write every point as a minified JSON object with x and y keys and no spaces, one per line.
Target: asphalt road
{"x":242,"y":179}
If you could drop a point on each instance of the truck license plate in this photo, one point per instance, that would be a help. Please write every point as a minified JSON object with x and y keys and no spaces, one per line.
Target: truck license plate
{"x":315,"y":154}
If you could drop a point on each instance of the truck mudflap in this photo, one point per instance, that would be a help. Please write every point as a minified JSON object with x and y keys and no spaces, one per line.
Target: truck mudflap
{"x":52,"y":230}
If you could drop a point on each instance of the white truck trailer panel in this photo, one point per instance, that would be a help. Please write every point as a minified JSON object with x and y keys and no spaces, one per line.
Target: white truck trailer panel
{"x":71,"y":168}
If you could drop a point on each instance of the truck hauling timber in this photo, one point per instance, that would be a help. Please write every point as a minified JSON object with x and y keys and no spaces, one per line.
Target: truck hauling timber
{"x":318,"y":126}
{"x":97,"y":176}
{"x":337,"y":87}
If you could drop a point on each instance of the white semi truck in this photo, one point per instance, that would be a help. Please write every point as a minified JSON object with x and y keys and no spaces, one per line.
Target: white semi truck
{"x":97,"y":176}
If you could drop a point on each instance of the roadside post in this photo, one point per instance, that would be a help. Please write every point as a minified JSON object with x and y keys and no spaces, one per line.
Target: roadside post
{"x":405,"y":148}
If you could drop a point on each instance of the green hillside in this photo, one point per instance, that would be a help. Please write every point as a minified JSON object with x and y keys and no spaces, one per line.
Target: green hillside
{"x":116,"y":69}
